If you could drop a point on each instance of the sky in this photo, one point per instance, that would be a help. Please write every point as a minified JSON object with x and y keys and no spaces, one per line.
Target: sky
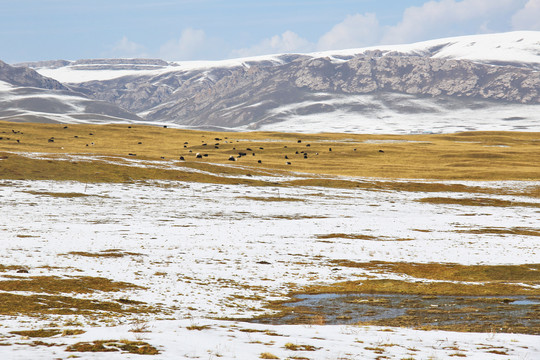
{"x":33,"y":30}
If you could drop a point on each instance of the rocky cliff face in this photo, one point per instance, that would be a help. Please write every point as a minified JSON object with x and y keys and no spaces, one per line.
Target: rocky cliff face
{"x":257,"y":91}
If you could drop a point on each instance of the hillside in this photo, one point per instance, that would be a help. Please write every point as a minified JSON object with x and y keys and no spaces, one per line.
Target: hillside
{"x":25,"y":95}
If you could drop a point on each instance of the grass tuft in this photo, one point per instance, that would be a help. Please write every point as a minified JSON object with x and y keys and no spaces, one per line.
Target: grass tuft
{"x":300,"y":347}
{"x":198,"y":327}
{"x":58,"y":195}
{"x":267,"y":355}
{"x":113,"y":253}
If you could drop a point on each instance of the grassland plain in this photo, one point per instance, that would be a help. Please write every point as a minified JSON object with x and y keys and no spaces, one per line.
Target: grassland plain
{"x":447,"y":222}
{"x":470,"y":156}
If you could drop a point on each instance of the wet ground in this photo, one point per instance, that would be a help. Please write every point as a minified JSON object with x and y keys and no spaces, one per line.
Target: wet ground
{"x":518,"y":314}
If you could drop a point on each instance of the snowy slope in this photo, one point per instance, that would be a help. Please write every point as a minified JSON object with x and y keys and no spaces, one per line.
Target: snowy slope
{"x":403,"y":114}
{"x":19,"y":103}
{"x":521,"y":48}
{"x":26,"y":95}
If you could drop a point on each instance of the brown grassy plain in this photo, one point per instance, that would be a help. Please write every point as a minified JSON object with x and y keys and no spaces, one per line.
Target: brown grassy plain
{"x":461,"y":156}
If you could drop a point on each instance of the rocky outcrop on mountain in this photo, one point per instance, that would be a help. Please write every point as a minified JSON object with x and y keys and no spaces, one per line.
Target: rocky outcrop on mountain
{"x":24,"y":76}
{"x":100,"y":64}
{"x":259,"y":91}
{"x":154,"y":62}
{"x":51,"y":64}
{"x":119,"y":64}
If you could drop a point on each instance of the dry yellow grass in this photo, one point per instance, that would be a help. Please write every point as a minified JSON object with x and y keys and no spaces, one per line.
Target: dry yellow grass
{"x":40,"y":305}
{"x":474,"y":155}
{"x":527,"y":273}
{"x":37,"y":333}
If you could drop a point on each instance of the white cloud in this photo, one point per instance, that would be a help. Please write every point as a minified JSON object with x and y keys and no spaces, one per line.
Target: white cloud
{"x":528,"y":18}
{"x":433,"y":19}
{"x":355,"y":31}
{"x":192,"y":44}
{"x":288,"y":42}
{"x":450,"y":17}
{"x":127,"y":48}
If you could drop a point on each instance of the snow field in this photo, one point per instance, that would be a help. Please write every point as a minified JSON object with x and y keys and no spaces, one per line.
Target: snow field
{"x":207,"y":251}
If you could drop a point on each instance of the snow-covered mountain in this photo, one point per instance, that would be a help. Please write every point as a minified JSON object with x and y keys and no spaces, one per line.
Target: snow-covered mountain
{"x":486,"y":82}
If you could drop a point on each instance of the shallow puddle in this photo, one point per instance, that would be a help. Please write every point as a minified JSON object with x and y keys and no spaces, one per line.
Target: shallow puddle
{"x":464,"y":313}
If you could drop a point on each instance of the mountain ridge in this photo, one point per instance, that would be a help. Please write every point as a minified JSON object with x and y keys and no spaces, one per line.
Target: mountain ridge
{"x":437,"y":78}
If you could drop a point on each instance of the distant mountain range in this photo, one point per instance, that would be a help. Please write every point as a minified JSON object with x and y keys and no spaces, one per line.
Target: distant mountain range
{"x":481,"y":82}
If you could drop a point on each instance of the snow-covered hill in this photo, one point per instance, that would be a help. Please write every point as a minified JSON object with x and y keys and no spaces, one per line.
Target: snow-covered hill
{"x":26,"y":95}
{"x":28,"y":104}
{"x":480,"y":82}
{"x":518,"y":48}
